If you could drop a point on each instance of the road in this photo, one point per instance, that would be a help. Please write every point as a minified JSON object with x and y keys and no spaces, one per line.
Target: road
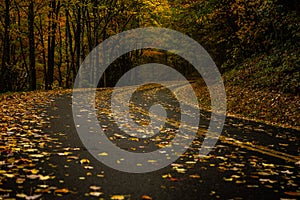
{"x":250,"y":161}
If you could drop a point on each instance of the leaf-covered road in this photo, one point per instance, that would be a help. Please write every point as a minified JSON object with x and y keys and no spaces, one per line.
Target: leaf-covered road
{"x":42,"y":156}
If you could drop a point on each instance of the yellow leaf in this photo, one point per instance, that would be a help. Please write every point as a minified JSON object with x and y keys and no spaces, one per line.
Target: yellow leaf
{"x":5,"y":190}
{"x":167,"y":176}
{"x":180,"y":170}
{"x":195,"y":176}
{"x":100,"y":175}
{"x":117,"y":197}
{"x":94,"y":187}
{"x":44,"y":178}
{"x":26,"y":127}
{"x":190,"y":162}
{"x":84,"y":161}
{"x":35,"y":171}
{"x":22,"y":195}
{"x":95,"y":194}
{"x":89,"y":174}
{"x":20,"y":180}
{"x":134,"y":139}
{"x":228,"y":179}
{"x":9,"y":175}
{"x":36,"y":155}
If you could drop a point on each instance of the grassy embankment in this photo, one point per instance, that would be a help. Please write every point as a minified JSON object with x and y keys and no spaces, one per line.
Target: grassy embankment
{"x":262,"y":93}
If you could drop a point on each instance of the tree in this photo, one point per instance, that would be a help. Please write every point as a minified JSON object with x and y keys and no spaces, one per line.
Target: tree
{"x":32,"y":75}
{"x":53,"y":20}
{"x":5,"y":84}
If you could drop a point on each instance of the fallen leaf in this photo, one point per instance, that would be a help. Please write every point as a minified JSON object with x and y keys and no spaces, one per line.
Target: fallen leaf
{"x":22,"y":195}
{"x":88,"y":167}
{"x":33,"y":197}
{"x":95,"y":194}
{"x":20,"y":180}
{"x":32,"y":176}
{"x":9,"y":175}
{"x":44,"y":178}
{"x":180,"y":170}
{"x":227,"y":179}
{"x":36,"y":155}
{"x":94,"y":187}
{"x":43,"y":186}
{"x":84,"y":161}
{"x":63,"y":190}
{"x":89,"y":174}
{"x":152,"y":161}
{"x":167,"y":176}
{"x":103,"y":154}
{"x":252,"y":186}
{"x":35,"y":171}
{"x":146,"y":197}
{"x":293,"y":193}
{"x":195,"y":176}
{"x":117,"y":197}
{"x":5,"y":190}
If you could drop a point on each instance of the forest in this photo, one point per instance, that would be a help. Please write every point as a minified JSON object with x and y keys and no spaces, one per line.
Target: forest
{"x":189,"y":140}
{"x":253,"y":42}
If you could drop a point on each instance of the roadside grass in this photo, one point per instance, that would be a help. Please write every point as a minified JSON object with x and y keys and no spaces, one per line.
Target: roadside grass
{"x":262,"y":105}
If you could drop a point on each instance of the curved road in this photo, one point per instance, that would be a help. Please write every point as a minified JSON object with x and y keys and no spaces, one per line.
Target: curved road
{"x":250,"y":161}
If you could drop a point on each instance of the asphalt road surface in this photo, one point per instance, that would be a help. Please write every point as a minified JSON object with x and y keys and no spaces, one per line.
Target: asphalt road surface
{"x":250,"y":161}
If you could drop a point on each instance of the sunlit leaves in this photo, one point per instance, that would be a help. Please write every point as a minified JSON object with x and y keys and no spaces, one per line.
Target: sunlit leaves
{"x":155,"y":13}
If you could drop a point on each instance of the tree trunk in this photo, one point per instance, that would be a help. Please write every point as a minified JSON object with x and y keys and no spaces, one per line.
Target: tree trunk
{"x":32,"y":73}
{"x":78,"y":37}
{"x":43,"y":50}
{"x":5,"y":84}
{"x":60,"y":59}
{"x":68,"y":72}
{"x":51,"y":42}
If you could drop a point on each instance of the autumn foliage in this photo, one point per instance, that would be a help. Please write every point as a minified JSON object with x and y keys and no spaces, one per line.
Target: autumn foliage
{"x":44,"y":42}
